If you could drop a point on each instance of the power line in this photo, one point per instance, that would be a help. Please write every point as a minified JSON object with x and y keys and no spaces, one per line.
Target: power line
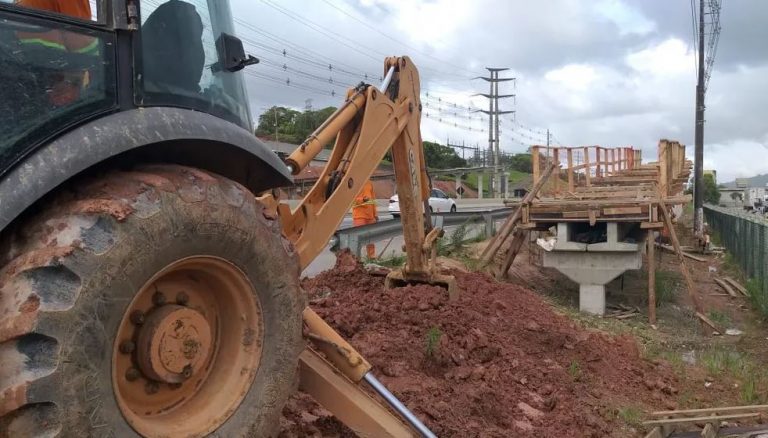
{"x":366,"y":24}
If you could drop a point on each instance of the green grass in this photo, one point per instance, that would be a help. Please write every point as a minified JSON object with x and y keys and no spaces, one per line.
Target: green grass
{"x":393,"y":261}
{"x":757,"y":297}
{"x":432,"y":341}
{"x":630,"y":415}
{"x":719,"y":318}
{"x":719,"y":360}
{"x":574,"y":370}
{"x":515,"y":176}
{"x":667,"y":287}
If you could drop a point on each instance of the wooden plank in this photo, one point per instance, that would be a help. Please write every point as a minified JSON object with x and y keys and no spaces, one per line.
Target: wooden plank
{"x":683,"y":266}
{"x":556,"y":157}
{"x":514,"y":248}
{"x":726,"y":287}
{"x":709,"y":322}
{"x":651,"y":225}
{"x":570,"y":169}
{"x":736,"y":285}
{"x":651,"y":277}
{"x":622,"y":210}
{"x":688,"y":420}
{"x":578,"y":213}
{"x":751,"y":408}
{"x":592,"y":217}
{"x":535,"y":163}
{"x":508,"y":227}
{"x":588,"y":167}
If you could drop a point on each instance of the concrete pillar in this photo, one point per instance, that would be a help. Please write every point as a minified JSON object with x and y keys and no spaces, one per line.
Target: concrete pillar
{"x":458,"y":184}
{"x":480,"y":177}
{"x":505,"y":185}
{"x":592,"y":298}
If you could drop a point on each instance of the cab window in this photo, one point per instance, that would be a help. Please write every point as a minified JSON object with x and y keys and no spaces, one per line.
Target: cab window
{"x":55,"y":75}
{"x":179,"y":59}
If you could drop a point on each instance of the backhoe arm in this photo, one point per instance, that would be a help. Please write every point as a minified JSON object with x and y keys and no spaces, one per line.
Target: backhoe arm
{"x":370,"y":123}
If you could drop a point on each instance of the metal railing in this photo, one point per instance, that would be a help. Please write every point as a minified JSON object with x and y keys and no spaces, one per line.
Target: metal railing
{"x":355,"y":238}
{"x":745,"y":236}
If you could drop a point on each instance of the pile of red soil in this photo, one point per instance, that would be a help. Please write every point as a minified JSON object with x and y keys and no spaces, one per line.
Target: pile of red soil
{"x":498,"y":362}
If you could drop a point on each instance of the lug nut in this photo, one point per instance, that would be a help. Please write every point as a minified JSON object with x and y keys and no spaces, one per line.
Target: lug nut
{"x":127,"y":347}
{"x":158,"y":298}
{"x":137,"y":317}
{"x":182,"y":298}
{"x":132,"y":374}
{"x":151,"y":388}
{"x":187,"y":371}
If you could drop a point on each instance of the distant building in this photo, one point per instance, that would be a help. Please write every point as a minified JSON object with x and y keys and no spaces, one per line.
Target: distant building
{"x":731,"y":198}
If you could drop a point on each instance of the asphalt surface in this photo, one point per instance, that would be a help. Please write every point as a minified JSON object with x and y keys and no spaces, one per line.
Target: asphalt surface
{"x":388,"y":248}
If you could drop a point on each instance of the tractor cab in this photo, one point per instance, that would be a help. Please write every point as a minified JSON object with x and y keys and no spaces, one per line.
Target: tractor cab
{"x":68,"y":62}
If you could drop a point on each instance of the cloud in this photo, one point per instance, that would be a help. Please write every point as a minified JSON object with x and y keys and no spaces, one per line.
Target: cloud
{"x":609,"y":72}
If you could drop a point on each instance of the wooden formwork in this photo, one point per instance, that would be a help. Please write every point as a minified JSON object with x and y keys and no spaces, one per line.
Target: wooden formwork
{"x":607,"y":184}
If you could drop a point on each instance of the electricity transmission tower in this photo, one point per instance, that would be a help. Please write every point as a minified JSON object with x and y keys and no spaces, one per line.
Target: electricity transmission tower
{"x":708,"y":35}
{"x":493,"y":123}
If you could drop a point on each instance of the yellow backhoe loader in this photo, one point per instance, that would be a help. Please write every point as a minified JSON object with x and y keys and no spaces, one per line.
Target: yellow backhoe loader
{"x":149,"y":279}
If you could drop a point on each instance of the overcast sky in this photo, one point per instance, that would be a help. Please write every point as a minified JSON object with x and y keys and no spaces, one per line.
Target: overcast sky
{"x":607,"y":72}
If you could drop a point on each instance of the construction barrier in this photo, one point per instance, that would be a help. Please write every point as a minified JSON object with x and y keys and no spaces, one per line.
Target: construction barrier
{"x":745,"y":236}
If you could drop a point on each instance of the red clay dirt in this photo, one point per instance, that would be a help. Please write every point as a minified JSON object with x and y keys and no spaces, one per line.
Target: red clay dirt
{"x":501,"y":362}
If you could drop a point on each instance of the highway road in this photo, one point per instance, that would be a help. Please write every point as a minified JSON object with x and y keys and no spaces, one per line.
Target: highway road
{"x":326,"y":259}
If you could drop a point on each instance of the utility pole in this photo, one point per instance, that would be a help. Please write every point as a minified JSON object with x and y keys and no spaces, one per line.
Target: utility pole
{"x":704,"y":71}
{"x":493,"y":123}
{"x":698,"y":169}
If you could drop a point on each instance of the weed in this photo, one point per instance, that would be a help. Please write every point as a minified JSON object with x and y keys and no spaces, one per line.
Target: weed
{"x":432,"y":342}
{"x":667,"y":286}
{"x":719,"y":318}
{"x":393,"y":261}
{"x":757,"y":296}
{"x":630,"y":415}
{"x":574,"y":370}
{"x":749,"y":393}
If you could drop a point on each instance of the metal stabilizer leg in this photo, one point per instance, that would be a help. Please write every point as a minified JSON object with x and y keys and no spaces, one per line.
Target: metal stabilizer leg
{"x":398,"y":406}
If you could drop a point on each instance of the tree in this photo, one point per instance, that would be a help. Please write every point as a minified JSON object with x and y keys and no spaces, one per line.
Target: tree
{"x":277,"y":123}
{"x":290,"y":126}
{"x":438,"y":156}
{"x":711,"y":192}
{"x":521,"y":163}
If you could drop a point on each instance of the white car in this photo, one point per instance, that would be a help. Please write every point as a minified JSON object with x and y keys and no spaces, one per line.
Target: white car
{"x":439,"y":202}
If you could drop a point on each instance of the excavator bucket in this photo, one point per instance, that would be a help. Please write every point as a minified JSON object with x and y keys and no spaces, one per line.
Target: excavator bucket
{"x":399,"y":278}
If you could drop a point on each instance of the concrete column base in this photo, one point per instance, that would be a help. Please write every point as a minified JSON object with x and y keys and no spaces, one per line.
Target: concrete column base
{"x":592,"y":298}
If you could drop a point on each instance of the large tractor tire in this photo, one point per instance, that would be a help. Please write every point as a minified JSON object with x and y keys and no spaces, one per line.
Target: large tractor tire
{"x":161,"y":302}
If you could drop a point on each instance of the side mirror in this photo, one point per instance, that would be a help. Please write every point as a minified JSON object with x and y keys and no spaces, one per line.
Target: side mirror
{"x":232,"y":55}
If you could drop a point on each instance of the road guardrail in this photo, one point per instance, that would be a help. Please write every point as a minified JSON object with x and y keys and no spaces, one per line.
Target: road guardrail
{"x":355,"y":238}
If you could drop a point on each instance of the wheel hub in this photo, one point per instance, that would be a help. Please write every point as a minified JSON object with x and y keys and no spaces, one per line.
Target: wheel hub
{"x":187,"y":348}
{"x":173,"y":344}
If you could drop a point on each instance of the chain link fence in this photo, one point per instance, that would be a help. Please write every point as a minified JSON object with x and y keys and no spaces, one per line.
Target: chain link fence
{"x":745,"y":236}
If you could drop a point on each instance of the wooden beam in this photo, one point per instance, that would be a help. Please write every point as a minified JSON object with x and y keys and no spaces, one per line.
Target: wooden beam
{"x":683,"y":266}
{"x":587,"y":173}
{"x":751,"y":408}
{"x":726,"y":287}
{"x":509,"y":225}
{"x":651,"y":225}
{"x":668,"y":421}
{"x":622,"y":210}
{"x":570,"y":170}
{"x":556,"y":157}
{"x":535,"y":163}
{"x":651,"y":276}
{"x":736,"y":285}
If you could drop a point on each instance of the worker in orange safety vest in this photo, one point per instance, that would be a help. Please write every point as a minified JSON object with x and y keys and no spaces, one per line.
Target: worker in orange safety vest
{"x":364,"y":212}
{"x":65,"y":87}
